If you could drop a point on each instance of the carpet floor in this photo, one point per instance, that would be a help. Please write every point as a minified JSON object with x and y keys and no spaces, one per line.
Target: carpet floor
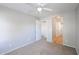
{"x":42,"y":47}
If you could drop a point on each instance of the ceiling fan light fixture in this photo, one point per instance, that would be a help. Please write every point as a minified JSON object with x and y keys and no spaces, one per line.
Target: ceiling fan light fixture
{"x":39,"y":9}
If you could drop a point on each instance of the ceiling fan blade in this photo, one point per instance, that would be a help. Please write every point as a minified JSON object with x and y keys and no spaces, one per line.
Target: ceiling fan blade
{"x":47,"y":9}
{"x":41,"y":4}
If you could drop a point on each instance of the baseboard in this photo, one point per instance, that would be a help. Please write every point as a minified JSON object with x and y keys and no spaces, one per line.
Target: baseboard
{"x":18,"y":47}
{"x":77,"y":51}
{"x":69,"y":46}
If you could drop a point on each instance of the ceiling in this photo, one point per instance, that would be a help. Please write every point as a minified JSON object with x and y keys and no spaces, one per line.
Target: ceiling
{"x":31,"y":8}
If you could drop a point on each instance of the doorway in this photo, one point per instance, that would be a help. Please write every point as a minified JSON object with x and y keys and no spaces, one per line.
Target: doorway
{"x":58,"y":30}
{"x":44,"y":29}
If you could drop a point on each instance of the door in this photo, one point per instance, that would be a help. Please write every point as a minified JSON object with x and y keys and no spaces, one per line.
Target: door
{"x":58,"y":27}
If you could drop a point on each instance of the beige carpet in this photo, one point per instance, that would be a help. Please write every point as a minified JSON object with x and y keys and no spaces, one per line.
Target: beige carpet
{"x":42,"y":47}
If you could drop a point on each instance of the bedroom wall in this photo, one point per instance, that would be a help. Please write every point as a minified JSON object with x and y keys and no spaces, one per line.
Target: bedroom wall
{"x":16,"y":29}
{"x":77,"y":28}
{"x":69,"y":31}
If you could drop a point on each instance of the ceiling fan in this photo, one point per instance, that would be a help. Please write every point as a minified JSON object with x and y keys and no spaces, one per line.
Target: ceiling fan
{"x":40,"y":7}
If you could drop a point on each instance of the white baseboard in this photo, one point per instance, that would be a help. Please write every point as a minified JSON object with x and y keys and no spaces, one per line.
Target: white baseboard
{"x":69,"y":45}
{"x":17,"y":47}
{"x":77,"y":51}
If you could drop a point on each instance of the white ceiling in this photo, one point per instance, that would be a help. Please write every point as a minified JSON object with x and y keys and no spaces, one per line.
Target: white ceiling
{"x":30,"y":8}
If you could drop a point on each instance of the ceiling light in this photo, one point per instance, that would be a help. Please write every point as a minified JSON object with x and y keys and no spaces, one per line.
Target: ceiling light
{"x":39,"y":9}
